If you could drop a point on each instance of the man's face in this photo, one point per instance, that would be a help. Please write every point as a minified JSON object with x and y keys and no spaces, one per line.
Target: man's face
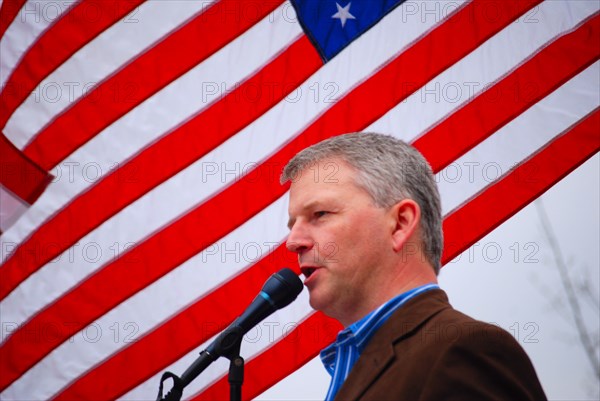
{"x":342,"y":239}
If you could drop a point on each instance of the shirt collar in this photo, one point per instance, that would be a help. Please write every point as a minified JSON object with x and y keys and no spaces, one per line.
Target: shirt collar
{"x":360,"y":332}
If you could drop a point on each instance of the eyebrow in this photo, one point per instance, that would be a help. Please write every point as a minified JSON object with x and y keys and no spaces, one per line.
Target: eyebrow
{"x":290,"y":223}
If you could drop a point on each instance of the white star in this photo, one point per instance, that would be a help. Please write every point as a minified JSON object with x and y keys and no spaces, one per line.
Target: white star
{"x":343,"y":14}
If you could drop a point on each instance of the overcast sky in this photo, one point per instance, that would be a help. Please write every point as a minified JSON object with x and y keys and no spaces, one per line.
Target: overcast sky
{"x":510,"y":278}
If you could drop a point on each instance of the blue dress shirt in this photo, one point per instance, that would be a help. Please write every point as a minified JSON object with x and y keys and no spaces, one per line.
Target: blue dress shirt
{"x":341,"y":355}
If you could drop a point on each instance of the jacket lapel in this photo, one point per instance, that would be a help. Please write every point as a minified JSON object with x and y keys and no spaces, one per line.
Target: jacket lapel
{"x":380,"y":353}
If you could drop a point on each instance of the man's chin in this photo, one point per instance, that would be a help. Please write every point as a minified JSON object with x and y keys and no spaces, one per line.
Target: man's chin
{"x":317,"y":301}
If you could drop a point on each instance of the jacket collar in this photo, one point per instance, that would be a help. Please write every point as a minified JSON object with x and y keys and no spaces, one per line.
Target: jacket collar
{"x":379,"y":353}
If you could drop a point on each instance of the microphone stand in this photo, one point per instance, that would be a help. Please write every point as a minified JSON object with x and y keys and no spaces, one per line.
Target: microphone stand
{"x":279,"y":290}
{"x":236,"y":378}
{"x":228,"y":344}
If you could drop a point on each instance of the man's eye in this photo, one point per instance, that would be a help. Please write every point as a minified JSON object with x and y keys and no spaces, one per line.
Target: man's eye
{"x":320,"y":213}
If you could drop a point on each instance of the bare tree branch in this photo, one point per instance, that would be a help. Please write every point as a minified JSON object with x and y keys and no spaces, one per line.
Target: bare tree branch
{"x":584,"y":337}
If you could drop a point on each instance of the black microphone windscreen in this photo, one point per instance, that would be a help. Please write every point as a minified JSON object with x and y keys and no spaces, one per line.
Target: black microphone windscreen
{"x":283,"y":287}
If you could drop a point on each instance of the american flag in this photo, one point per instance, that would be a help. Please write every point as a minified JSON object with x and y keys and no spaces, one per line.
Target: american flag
{"x":142,"y":143}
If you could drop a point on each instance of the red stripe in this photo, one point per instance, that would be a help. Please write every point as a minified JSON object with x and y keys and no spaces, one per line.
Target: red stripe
{"x":75,"y":221}
{"x":530,"y":179}
{"x":65,"y":37}
{"x":151,"y":72}
{"x":19,"y":174}
{"x":146,"y":262}
{"x":541,"y":75}
{"x":291,"y":352}
{"x":8,"y":13}
{"x":177,"y":336}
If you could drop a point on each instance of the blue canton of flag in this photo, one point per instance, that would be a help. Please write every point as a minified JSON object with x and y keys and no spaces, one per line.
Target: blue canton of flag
{"x":332,"y":25}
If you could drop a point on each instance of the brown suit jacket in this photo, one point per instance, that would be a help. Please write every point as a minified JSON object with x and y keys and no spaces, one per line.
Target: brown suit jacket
{"x":429,"y":351}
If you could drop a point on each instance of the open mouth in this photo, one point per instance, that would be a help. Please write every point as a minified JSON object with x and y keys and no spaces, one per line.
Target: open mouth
{"x":307,"y":271}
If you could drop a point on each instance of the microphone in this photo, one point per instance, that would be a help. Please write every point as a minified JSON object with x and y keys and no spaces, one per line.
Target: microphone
{"x":278,"y":291}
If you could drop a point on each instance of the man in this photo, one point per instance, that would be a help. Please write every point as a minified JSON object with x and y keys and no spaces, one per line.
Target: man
{"x":365,"y":221}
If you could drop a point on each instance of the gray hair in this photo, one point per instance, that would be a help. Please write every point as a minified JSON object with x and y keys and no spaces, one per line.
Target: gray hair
{"x":390,"y":170}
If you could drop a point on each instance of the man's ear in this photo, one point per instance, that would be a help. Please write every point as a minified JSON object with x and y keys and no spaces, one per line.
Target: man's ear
{"x":406,"y":215}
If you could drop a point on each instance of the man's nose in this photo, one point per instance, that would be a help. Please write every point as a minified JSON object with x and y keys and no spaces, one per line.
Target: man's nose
{"x":299,"y":240}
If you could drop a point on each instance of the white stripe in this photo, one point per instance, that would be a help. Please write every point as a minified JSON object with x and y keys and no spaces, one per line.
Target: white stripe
{"x":12,"y":208}
{"x":499,"y":153}
{"x":29,"y":24}
{"x":478,"y":70}
{"x":240,"y":153}
{"x":337,"y":373}
{"x":155,"y":304}
{"x":152,"y":119}
{"x":348,"y":362}
{"x":96,"y":61}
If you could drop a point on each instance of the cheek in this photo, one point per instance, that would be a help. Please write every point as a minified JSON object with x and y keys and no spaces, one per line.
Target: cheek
{"x":372,"y":237}
{"x":353,"y":240}
{"x":365,"y":228}
{"x":330,"y":250}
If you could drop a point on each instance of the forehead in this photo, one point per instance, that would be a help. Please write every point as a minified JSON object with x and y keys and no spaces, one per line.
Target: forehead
{"x":328,"y":179}
{"x":326,"y":173}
